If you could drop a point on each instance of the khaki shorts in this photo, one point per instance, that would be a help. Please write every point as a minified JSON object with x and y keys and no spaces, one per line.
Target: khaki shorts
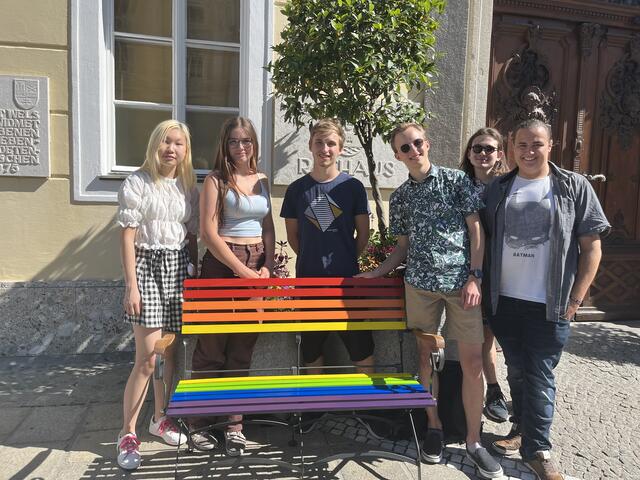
{"x":424,"y":311}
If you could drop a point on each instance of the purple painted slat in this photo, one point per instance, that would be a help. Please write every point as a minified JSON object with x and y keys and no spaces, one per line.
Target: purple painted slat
{"x":319,"y":406}
{"x":306,"y":399}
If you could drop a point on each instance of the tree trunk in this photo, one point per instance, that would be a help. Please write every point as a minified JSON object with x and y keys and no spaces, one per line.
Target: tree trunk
{"x":375,"y":189}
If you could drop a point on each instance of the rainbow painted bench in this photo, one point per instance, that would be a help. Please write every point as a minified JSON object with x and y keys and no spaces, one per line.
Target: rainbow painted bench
{"x":213,"y":306}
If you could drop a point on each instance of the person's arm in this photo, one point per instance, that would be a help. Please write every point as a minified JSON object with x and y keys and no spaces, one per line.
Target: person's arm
{"x":209,"y":230}
{"x":470,"y":294}
{"x":132,"y":301}
{"x":395,"y":258}
{"x":291,"y":225}
{"x":588,"y":261}
{"x":192,"y":247}
{"x":268,"y":238}
{"x":362,"y":232}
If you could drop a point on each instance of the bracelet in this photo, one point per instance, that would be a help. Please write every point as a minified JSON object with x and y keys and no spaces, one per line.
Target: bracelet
{"x":575,"y":301}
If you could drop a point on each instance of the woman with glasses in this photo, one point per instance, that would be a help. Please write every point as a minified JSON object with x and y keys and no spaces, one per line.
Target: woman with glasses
{"x":483,"y":160}
{"x":237,"y":229}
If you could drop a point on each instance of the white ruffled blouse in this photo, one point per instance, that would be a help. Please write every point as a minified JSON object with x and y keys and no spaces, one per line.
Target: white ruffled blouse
{"x":161,"y":212}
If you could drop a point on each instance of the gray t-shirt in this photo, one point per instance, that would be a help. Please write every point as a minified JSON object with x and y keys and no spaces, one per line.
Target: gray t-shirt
{"x":525,"y":253}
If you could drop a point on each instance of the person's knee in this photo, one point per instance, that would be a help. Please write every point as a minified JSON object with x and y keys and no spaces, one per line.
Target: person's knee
{"x":471,"y":362}
{"x":146,"y":366}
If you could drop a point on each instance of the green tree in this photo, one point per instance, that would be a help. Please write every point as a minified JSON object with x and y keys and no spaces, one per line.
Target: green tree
{"x":355,"y":60}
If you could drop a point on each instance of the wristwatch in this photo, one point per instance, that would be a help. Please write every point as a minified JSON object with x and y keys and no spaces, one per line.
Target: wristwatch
{"x":476,"y":272}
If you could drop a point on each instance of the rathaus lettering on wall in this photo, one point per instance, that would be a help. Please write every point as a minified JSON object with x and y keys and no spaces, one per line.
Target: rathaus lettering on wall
{"x":24,"y":126}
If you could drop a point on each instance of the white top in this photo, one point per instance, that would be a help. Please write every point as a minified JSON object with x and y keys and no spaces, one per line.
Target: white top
{"x":525,"y":254}
{"x":161,"y":212}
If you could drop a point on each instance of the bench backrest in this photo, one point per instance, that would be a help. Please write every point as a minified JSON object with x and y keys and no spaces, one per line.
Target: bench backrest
{"x":292,"y":305}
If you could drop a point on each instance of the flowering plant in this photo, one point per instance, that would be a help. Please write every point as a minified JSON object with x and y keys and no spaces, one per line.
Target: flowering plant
{"x":281,"y":258}
{"x":377,"y":251}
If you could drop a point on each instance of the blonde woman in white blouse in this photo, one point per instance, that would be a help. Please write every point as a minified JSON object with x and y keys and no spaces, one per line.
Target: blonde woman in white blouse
{"x":158,"y":214}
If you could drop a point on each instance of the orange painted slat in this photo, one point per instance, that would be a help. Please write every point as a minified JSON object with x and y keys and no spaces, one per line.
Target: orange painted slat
{"x":309,"y":281}
{"x":292,"y":316}
{"x":280,"y":304}
{"x":295,"y":292}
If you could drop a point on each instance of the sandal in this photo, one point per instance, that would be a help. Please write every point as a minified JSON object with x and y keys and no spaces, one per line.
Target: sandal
{"x":204,"y":441}
{"x":234,"y":442}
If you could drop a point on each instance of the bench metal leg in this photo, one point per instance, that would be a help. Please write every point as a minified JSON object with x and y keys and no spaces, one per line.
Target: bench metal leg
{"x":415,"y":439}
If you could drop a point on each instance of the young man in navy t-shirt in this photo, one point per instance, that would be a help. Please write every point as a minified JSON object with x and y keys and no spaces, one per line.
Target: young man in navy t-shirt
{"x":322,"y":211}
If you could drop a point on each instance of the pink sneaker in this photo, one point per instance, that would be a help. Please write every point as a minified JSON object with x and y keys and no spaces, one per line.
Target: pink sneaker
{"x":165,"y":429}
{"x":128,"y":448}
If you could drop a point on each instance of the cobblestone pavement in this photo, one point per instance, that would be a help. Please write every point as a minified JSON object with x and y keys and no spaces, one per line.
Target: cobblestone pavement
{"x":597,"y":417}
{"x":59,"y":419}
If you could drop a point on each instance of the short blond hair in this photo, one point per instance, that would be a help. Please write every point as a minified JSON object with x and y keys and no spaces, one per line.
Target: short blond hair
{"x":401,"y":128}
{"x":327,"y":126}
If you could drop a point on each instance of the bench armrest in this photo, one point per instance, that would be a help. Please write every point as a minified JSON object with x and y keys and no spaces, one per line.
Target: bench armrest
{"x":436,"y":344}
{"x":164,"y":343}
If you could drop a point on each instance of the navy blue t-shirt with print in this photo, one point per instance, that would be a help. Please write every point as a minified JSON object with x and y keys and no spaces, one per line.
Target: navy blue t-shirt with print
{"x":326,"y":224}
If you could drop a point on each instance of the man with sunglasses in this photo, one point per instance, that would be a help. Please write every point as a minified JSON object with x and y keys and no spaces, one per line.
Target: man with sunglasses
{"x":434,"y":214}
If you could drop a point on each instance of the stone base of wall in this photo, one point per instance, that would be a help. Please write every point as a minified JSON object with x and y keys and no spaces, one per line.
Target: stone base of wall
{"x":56,"y":318}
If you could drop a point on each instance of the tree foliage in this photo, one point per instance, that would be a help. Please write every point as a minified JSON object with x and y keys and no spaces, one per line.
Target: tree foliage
{"x":353,"y":60}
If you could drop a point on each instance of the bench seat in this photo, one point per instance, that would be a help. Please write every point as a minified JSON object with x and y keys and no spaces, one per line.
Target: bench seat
{"x":297,"y":393}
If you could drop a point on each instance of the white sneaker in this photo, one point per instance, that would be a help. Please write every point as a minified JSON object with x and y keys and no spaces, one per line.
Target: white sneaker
{"x":165,"y":429}
{"x":235,"y":443}
{"x":128,"y":448}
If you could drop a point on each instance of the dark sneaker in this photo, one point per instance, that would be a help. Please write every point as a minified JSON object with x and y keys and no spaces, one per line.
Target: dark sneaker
{"x":431,"y":451}
{"x":509,"y":445}
{"x":487,"y":466}
{"x":495,"y":407}
{"x":543,"y":468}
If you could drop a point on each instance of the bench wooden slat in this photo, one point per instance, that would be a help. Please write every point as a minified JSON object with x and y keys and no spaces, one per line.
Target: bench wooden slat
{"x":215,"y":305}
{"x":369,"y":378}
{"x":298,"y":292}
{"x":292,"y":381}
{"x":320,"y":281}
{"x":299,"y":315}
{"x":191,"y":329}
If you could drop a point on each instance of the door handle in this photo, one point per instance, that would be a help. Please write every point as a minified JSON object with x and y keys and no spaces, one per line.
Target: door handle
{"x":599,"y":177}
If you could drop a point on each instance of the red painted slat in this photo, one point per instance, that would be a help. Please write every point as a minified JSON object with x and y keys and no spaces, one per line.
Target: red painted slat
{"x":315,"y":281}
{"x":295,"y":292}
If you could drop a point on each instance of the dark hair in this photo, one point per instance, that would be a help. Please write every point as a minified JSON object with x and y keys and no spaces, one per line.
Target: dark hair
{"x":401,"y":128}
{"x":465,"y":164}
{"x":532,"y":123}
{"x":223,"y":166}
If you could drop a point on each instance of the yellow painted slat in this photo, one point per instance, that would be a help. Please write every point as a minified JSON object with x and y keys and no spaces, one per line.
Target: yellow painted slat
{"x":292,"y":327}
{"x":310,"y":378}
{"x":306,"y":315}
{"x":293,"y":303}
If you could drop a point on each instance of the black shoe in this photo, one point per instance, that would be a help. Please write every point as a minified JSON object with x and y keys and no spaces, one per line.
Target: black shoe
{"x":431,"y":451}
{"x":487,"y":466}
{"x":495,"y":407}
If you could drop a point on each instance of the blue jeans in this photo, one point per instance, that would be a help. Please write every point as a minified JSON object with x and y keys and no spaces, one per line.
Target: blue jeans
{"x":532,"y":347}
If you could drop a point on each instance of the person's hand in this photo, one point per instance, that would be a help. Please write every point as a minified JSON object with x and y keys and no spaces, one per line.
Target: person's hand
{"x":264,"y":272}
{"x":246,"y":272}
{"x":132,"y":301}
{"x":371,"y":274}
{"x":470,"y":294}
{"x":570,"y":313}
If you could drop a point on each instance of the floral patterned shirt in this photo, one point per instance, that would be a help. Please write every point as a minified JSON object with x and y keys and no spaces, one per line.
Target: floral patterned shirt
{"x":432,"y":214}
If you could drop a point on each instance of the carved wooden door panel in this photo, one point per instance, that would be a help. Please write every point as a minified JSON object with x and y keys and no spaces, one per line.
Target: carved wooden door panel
{"x":576,"y":65}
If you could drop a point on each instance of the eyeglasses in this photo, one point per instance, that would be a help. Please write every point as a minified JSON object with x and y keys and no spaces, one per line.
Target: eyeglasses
{"x":418,"y":142}
{"x":245,"y":142}
{"x":488,"y":149}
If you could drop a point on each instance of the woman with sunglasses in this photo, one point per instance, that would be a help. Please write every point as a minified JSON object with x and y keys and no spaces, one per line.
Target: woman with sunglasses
{"x":237,"y":229}
{"x":483,"y":161}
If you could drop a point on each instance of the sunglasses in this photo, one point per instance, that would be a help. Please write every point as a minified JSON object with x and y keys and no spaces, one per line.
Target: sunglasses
{"x":488,"y":149}
{"x":418,"y":142}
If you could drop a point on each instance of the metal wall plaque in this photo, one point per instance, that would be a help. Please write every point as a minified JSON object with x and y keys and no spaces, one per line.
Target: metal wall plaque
{"x":24,"y":126}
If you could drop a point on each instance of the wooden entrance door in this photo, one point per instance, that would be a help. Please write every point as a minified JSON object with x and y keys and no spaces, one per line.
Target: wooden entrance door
{"x":576,"y":64}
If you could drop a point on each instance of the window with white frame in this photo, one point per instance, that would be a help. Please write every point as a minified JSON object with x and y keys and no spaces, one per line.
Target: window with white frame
{"x":138,"y":62}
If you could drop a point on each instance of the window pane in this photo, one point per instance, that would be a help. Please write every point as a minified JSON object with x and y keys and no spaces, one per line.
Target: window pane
{"x":215,"y":20}
{"x":143,"y":72}
{"x":148,"y":17}
{"x":133,"y":127}
{"x":205,"y":130}
{"x":212,"y":77}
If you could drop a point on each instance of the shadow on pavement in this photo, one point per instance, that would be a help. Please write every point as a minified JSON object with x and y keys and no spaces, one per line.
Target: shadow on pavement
{"x":598,"y":341}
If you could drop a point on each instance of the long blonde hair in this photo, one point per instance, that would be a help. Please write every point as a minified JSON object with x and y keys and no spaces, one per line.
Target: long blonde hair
{"x":151,"y":165}
{"x":223,"y":166}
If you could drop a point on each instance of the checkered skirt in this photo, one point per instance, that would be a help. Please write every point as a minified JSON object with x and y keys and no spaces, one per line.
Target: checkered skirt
{"x":160,"y":275}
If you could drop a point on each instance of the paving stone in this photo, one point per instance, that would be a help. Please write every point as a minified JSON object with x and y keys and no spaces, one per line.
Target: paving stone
{"x":47,"y":424}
